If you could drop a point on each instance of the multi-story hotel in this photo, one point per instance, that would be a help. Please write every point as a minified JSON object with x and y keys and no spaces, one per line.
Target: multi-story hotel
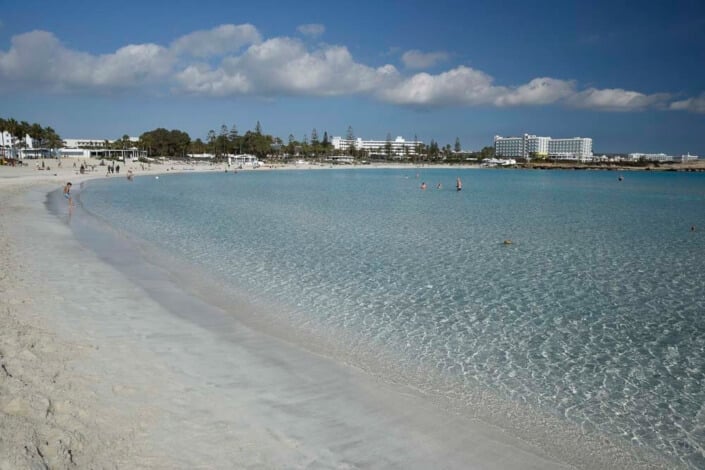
{"x":532,"y":146}
{"x":399,"y":146}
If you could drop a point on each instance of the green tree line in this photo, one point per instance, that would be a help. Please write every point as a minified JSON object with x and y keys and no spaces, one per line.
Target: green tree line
{"x":177,"y":143}
{"x":43,"y":137}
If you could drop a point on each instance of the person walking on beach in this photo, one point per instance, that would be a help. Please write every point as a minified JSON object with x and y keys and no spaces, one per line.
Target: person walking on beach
{"x":67,"y":194}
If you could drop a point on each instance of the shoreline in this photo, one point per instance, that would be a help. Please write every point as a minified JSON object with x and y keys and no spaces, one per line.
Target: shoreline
{"x":151,"y":373}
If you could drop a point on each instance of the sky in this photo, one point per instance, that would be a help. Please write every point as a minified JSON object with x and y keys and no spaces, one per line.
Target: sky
{"x":628,"y":74}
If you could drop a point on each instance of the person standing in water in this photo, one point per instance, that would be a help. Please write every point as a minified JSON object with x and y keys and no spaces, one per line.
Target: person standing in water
{"x":458,"y":184}
{"x":67,"y":194}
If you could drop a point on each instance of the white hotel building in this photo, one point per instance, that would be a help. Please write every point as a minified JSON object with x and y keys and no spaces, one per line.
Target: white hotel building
{"x":399,"y":146}
{"x":532,"y":146}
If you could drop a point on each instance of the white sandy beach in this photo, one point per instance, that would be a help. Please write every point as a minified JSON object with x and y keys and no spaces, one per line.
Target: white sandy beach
{"x":98,"y":373}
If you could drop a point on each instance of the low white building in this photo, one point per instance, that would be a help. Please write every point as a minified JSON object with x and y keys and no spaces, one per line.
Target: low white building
{"x":399,"y":147}
{"x":244,"y":160}
{"x":651,"y":157}
{"x":70,"y":152}
{"x":94,"y":143}
{"x":689,"y":158}
{"x":344,"y":159}
{"x":86,"y":143}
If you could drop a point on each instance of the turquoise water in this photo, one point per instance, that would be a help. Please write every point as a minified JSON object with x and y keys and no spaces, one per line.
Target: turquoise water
{"x":594,"y":313}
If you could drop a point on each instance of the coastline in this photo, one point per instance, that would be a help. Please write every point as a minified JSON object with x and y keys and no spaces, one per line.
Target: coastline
{"x":124,"y":368}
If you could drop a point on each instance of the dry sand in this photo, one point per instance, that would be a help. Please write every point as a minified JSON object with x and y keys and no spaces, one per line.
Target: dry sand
{"x":96,"y":373}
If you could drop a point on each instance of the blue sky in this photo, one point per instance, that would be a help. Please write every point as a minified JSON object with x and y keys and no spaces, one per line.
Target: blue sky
{"x":631,"y":75}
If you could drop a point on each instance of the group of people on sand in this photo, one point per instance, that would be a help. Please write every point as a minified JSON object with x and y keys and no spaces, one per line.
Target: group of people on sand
{"x":458,"y":185}
{"x":113,"y":169}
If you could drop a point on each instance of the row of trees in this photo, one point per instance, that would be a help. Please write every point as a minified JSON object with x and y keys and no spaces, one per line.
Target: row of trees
{"x":229,"y":141}
{"x":163,"y":142}
{"x":43,"y":137}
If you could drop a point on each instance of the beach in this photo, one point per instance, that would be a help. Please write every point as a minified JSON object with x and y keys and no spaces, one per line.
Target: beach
{"x":106,"y":370}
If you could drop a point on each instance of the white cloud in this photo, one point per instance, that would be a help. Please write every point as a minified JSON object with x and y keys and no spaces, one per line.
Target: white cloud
{"x":231,"y":60}
{"x":312,"y":29}
{"x":200,"y":79}
{"x":461,"y":85}
{"x":217,"y":41}
{"x":465,"y":86}
{"x":38,"y":59}
{"x":285,"y":66}
{"x":415,"y":59}
{"x":695,"y":105}
{"x":538,"y":91}
{"x":617,"y":99}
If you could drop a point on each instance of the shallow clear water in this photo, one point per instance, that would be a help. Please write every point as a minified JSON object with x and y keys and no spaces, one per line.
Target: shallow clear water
{"x":594,"y":313}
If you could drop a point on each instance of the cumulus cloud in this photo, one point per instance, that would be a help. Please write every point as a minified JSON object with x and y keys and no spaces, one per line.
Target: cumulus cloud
{"x":312,"y":29}
{"x":469,"y":87}
{"x":285,"y":66}
{"x":200,"y":79}
{"x":461,"y":85}
{"x":695,"y":104}
{"x":415,"y":59}
{"x":232,"y":60}
{"x":617,"y":99}
{"x":38,"y":59}
{"x":223,"y":39}
{"x":538,"y":91}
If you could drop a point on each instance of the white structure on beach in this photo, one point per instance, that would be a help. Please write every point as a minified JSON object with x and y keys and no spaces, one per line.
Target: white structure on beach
{"x":661,"y":157}
{"x":344,"y":159}
{"x":399,"y":146}
{"x":99,"y":148}
{"x":533,"y":146}
{"x":243,"y":160}
{"x":12,"y":147}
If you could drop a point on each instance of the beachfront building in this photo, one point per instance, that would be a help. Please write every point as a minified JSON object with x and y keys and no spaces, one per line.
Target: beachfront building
{"x":86,"y":143}
{"x":576,"y":148}
{"x":244,"y":160}
{"x":399,"y":147}
{"x":661,"y":157}
{"x":651,"y":157}
{"x":509,"y":146}
{"x":340,"y":159}
{"x":100,"y":149}
{"x":527,"y":146}
{"x":12,"y":147}
{"x":532,"y":146}
{"x":7,"y":145}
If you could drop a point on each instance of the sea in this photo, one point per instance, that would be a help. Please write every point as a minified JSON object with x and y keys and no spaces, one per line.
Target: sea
{"x":578,"y":295}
